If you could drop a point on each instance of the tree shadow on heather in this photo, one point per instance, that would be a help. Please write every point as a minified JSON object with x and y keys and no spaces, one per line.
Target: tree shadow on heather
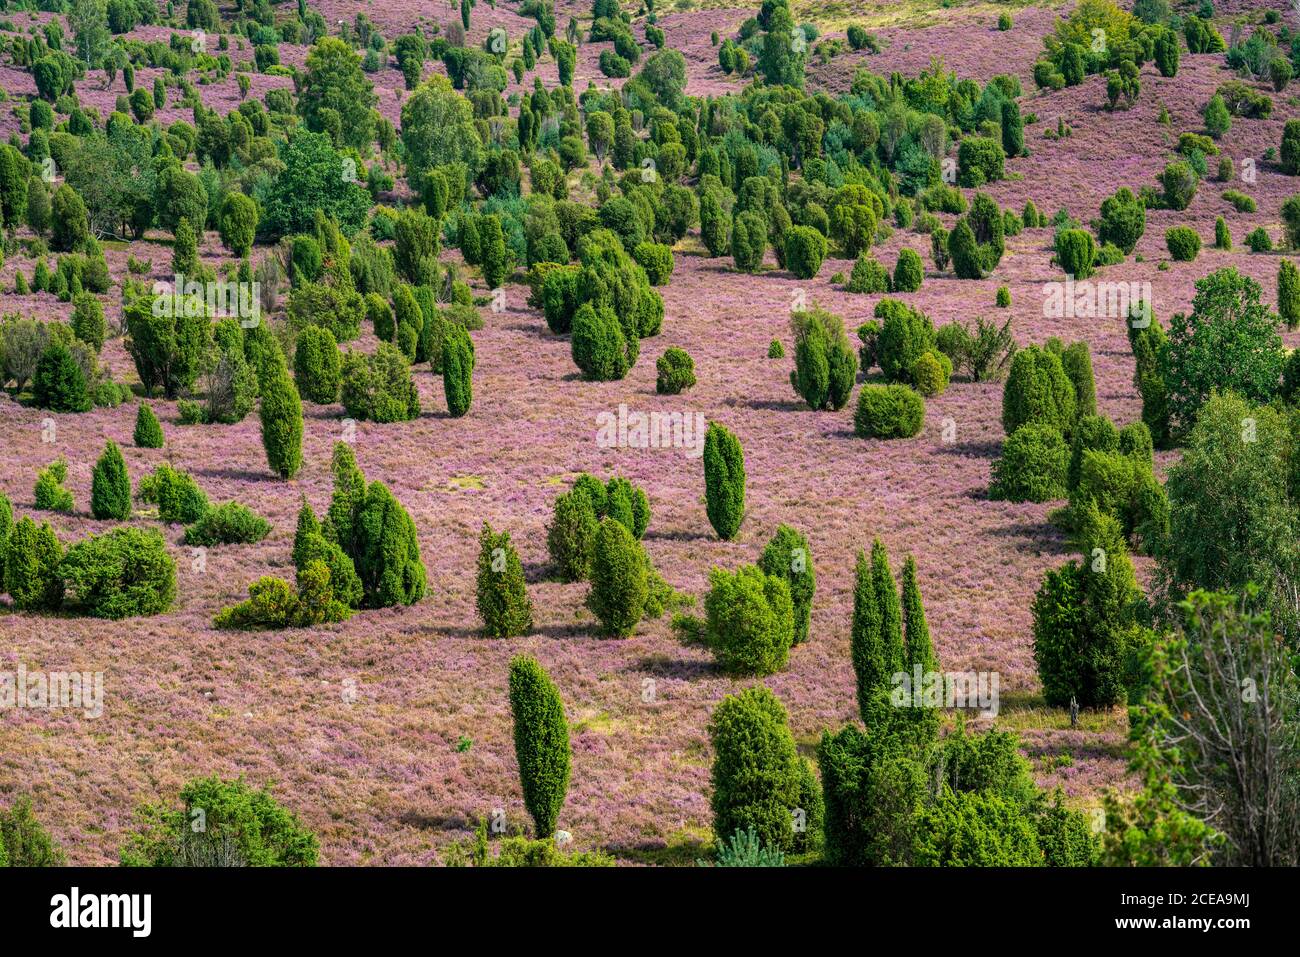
{"x":682,"y":669}
{"x":989,"y":449}
{"x":237,"y":474}
{"x":533,"y":330}
{"x":769,"y":405}
{"x":658,"y":535}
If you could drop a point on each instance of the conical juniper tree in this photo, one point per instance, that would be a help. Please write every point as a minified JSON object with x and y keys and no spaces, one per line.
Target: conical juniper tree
{"x":541,"y":742}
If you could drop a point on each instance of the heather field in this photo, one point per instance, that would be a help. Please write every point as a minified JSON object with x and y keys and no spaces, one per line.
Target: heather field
{"x":390,"y":734}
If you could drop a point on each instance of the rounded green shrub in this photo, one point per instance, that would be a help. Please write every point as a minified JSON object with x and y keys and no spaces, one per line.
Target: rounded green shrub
{"x":657,"y":261}
{"x":908,"y":272}
{"x":1184,"y":243}
{"x":227,"y":524}
{"x":805,"y":250}
{"x":177,"y":495}
{"x":1037,"y":390}
{"x":123,"y":573}
{"x":1075,"y":252}
{"x":868,"y":276}
{"x":905,"y":335}
{"x":676,"y":371}
{"x":1004,"y":297}
{"x":1032,"y":467}
{"x":931,"y":373}
{"x":749,"y":620}
{"x":148,"y":430}
{"x":888,"y":412}
{"x":598,"y":345}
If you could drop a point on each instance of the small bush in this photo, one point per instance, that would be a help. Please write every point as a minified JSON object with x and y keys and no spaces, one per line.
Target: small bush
{"x":378,"y":387}
{"x":110,"y":486}
{"x":657,"y":261}
{"x":888,"y":412}
{"x":1032,"y":467}
{"x":1004,"y":297}
{"x":805,"y":250}
{"x":1259,"y":241}
{"x":676,"y":371}
{"x":598,"y":345}
{"x":242,"y":827}
{"x":775,"y":350}
{"x":868,"y":276}
{"x":908,"y":272}
{"x":931,"y":373}
{"x":749,"y":620}
{"x":1184,"y":243}
{"x":49,"y":494}
{"x":148,"y":430}
{"x":501,"y":593}
{"x":228,"y":524}
{"x":123,"y":573}
{"x":177,"y":495}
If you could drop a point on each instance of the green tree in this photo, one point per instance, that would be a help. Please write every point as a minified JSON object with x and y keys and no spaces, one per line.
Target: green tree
{"x":32,"y":559}
{"x":541,"y":742}
{"x":238,"y":223}
{"x":1232,"y":520}
{"x":457,"y":370}
{"x":282,"y":427}
{"x":724,"y":480}
{"x":110,"y":486}
{"x":755,"y":773}
{"x":620,"y":579}
{"x":335,"y":81}
{"x":787,"y":556}
{"x":1229,"y":342}
{"x":502,"y":594}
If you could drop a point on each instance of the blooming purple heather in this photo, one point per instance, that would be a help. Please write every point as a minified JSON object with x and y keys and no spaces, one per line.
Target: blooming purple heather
{"x":390,"y":734}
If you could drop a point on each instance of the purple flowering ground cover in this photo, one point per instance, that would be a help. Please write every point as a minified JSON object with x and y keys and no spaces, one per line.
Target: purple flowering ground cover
{"x":362,"y":727}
